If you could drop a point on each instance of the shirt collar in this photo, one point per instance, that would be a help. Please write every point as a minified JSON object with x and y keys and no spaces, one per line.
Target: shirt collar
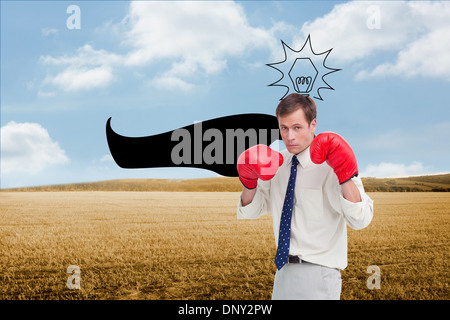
{"x":303,"y":157}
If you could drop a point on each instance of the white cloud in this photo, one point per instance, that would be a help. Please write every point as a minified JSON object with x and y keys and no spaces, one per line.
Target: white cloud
{"x":193,"y":31}
{"x":86,"y":56}
{"x":49,"y":31}
{"x":28,"y":148}
{"x":415,"y":31}
{"x":107,"y":158}
{"x":392,"y":170}
{"x":427,"y":56}
{"x":167,"y":81}
{"x":345,"y":30}
{"x":88,"y":69}
{"x":424,"y":139}
{"x":46,"y":94}
{"x":402,"y":152}
{"x":84,"y":78}
{"x":197,"y":37}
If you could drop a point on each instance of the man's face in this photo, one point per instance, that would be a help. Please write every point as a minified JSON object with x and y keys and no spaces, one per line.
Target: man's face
{"x":296,"y":132}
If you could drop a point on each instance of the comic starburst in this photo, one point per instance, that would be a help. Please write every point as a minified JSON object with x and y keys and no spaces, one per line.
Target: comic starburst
{"x":303,"y":71}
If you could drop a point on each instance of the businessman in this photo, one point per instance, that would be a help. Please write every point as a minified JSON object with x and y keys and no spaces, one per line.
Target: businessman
{"x":313,"y":191}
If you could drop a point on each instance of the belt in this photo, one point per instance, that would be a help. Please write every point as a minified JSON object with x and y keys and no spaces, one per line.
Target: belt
{"x":296,"y":259}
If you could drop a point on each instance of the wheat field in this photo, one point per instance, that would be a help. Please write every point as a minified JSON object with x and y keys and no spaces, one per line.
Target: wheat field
{"x":189,"y":245}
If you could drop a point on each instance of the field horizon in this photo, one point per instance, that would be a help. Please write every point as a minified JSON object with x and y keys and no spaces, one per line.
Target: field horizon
{"x":426,"y":183}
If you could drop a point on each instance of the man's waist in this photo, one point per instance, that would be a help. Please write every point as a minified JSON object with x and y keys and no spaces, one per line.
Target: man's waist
{"x":296,"y":259}
{"x":311,"y":260}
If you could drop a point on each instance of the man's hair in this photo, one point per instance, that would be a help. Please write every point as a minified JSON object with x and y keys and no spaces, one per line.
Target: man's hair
{"x":296,"y":101}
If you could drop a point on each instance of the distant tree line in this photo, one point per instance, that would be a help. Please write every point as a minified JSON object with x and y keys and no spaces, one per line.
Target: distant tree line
{"x":404,"y":189}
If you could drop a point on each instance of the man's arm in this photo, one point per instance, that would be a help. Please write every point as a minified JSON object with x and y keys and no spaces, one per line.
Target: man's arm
{"x":247,"y":196}
{"x":350,"y":191}
{"x":358,"y":214}
{"x":356,"y":205}
{"x":339,"y":155}
{"x":253,"y":203}
{"x":257,"y":162}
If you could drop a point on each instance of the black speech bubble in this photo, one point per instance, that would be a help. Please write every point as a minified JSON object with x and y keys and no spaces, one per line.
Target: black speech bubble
{"x":156,"y":150}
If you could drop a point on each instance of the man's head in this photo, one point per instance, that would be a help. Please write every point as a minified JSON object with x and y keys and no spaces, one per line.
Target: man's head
{"x":296,"y":116}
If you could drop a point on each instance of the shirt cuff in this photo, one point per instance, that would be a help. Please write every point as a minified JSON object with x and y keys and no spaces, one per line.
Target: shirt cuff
{"x":251,"y":210}
{"x":358,"y":214}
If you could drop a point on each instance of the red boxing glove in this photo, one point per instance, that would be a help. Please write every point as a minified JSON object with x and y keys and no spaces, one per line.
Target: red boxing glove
{"x":258,"y":162}
{"x":337,"y":152}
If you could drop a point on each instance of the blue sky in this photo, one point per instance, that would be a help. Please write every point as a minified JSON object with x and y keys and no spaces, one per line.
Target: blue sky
{"x":157,"y":66}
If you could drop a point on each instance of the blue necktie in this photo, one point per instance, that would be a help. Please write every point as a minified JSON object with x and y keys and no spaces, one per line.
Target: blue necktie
{"x":284,"y":237}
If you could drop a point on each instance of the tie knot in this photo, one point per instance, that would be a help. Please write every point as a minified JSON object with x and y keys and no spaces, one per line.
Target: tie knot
{"x":294,"y":161}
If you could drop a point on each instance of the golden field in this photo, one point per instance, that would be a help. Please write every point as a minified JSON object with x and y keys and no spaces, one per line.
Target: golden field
{"x":189,"y":245}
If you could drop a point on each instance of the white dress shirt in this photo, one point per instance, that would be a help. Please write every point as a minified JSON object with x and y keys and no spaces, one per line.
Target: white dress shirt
{"x":320,"y":214}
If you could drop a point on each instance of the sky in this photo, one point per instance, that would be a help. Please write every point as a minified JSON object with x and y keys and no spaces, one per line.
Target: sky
{"x":157,"y":66}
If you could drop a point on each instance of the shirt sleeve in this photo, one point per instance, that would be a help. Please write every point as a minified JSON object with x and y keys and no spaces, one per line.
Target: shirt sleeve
{"x":259,"y":205}
{"x":358,"y":215}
